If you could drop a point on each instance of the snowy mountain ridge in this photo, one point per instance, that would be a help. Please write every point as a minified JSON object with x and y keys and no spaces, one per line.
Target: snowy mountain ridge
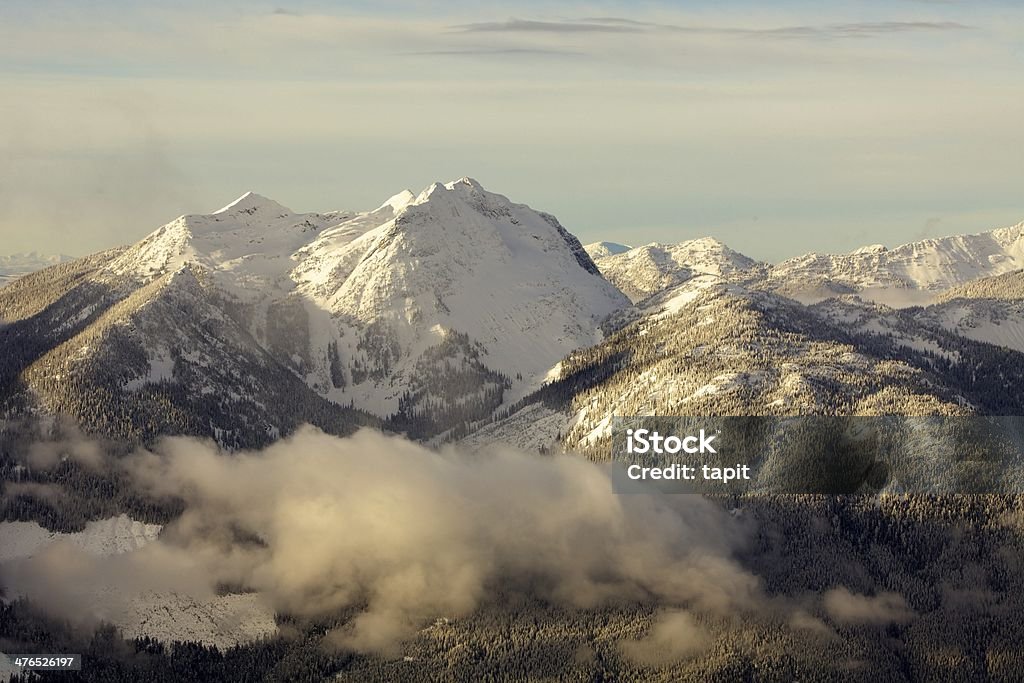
{"x":931,"y":265}
{"x":456,"y":260}
{"x":643,"y":271}
{"x":432,"y":312}
{"x":428,"y":308}
{"x":911,"y":273}
{"x":601,"y":249}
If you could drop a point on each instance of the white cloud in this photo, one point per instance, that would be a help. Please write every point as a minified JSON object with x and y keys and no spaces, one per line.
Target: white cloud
{"x":318,"y":524}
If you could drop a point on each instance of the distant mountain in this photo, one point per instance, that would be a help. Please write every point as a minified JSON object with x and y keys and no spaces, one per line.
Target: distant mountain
{"x":16,"y":265}
{"x":988,"y":309}
{"x":429,"y":310}
{"x":643,"y":271}
{"x":932,"y":265}
{"x":914,"y":273}
{"x":911,"y":274}
{"x":601,"y":249}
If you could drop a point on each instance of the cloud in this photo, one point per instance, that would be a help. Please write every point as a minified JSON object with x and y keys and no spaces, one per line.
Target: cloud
{"x":620,"y":21}
{"x":316,"y":524}
{"x":674,"y":636}
{"x":45,"y":455}
{"x":862,"y":29}
{"x":846,"y":607}
{"x":86,"y":588}
{"x":52,"y":441}
{"x":528,"y":26}
{"x":497,"y":52}
{"x":621,"y":25}
{"x":50,"y":493}
{"x":802,"y":621}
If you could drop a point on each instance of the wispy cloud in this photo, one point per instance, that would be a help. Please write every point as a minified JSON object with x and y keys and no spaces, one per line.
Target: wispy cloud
{"x":863,"y":29}
{"x":622,"y":25}
{"x":528,"y":26}
{"x":496,"y":52}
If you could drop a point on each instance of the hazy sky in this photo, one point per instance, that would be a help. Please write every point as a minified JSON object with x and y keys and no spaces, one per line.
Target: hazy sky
{"x":779,"y":127}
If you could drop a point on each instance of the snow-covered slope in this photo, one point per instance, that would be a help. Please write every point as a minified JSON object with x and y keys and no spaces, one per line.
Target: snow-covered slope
{"x":429,"y":308}
{"x":933,"y":264}
{"x":352,"y":302}
{"x":247,"y":245}
{"x":902,"y":328}
{"x":989,"y":309}
{"x":221,"y":620}
{"x":455,"y":261}
{"x":643,"y":271}
{"x":20,"y":540}
{"x":993,"y":321}
{"x":599,"y":250}
{"x":712,"y":347}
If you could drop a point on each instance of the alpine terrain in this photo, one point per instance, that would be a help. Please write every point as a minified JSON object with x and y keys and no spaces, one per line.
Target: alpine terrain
{"x":715,"y":333}
{"x":427,"y":311}
{"x":452,"y":541}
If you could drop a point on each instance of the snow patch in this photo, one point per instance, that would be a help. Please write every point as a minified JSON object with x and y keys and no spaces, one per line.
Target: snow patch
{"x":223,"y":620}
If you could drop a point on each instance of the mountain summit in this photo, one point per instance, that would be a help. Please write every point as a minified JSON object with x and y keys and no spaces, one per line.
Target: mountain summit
{"x":250,"y":203}
{"x":646,"y":270}
{"x":430,"y":310}
{"x":458,"y":278}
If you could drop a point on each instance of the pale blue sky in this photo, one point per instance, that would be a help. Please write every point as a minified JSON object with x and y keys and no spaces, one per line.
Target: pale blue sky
{"x":778,"y":128}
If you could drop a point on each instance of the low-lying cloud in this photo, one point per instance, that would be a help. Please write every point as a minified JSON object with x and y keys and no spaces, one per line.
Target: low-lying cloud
{"x":674,"y":636}
{"x":846,"y":607}
{"x":402,"y":535}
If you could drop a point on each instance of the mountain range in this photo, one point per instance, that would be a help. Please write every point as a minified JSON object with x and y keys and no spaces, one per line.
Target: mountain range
{"x":457,"y":316}
{"x":14,"y":266}
{"x":456,"y":313}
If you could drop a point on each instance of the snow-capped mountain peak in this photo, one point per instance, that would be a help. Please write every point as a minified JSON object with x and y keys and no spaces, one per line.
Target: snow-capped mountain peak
{"x":599,"y":250}
{"x":643,"y":271}
{"x":467,"y":181}
{"x":1008,"y":235}
{"x":492,"y":283}
{"x":248,"y":242}
{"x":463,"y":187}
{"x":398,"y":202}
{"x":436,"y":307}
{"x":250,"y":203}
